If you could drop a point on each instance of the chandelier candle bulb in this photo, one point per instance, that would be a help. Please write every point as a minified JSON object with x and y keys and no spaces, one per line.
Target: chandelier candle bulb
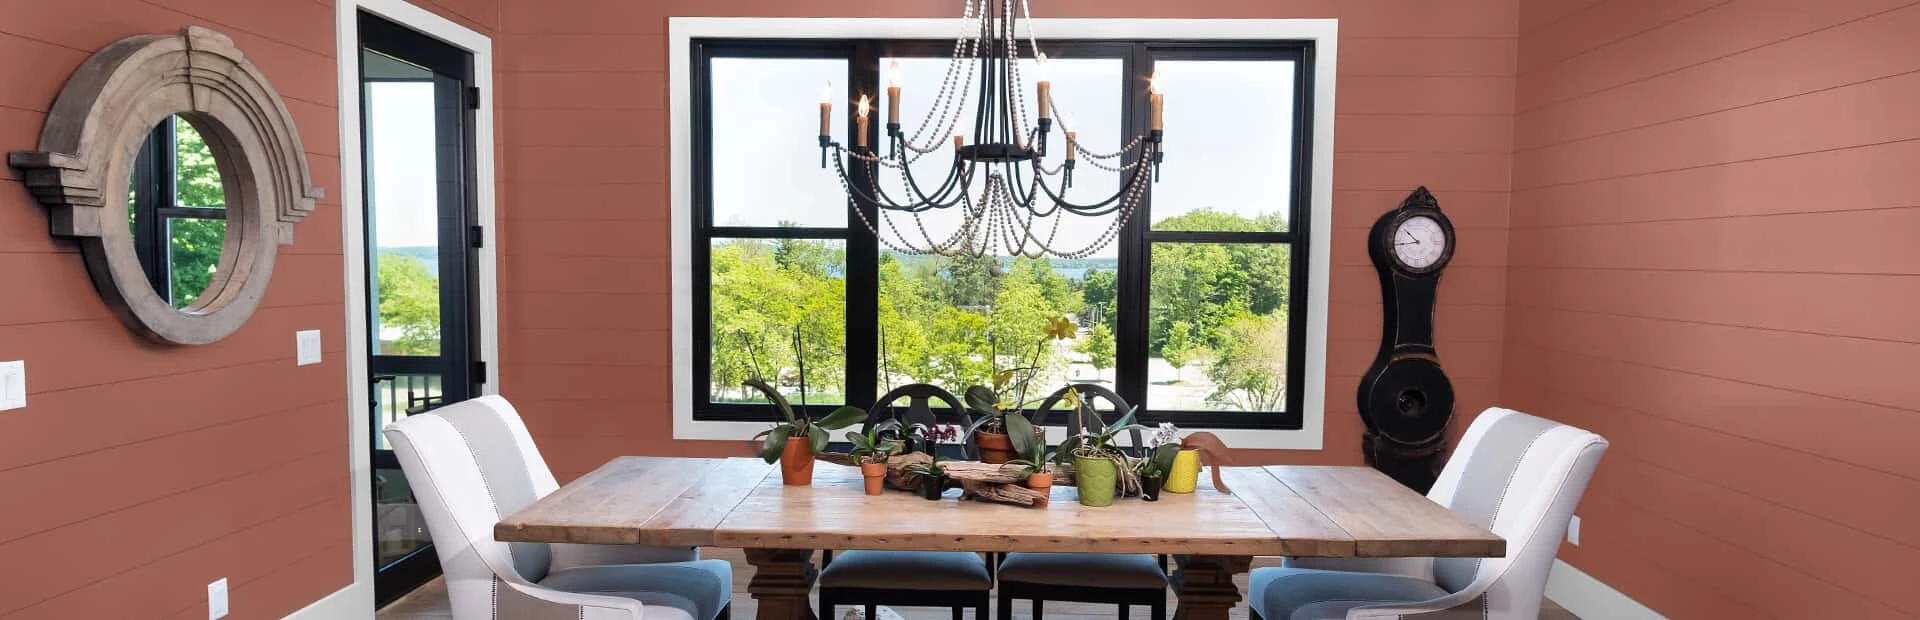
{"x":959,"y":141}
{"x":893,"y":93}
{"x":860,"y":133}
{"x":826,"y":110}
{"x":1045,"y":89}
{"x":1154,"y":99}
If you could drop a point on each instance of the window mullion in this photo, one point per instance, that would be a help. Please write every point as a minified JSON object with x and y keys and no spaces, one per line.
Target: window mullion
{"x":1130,"y":339}
{"x":863,"y":255}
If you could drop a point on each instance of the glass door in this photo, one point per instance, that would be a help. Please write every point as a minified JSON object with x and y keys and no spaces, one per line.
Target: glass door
{"x":417,"y":157}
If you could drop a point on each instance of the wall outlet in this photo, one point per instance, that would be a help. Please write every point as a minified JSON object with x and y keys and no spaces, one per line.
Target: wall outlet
{"x":1573,"y":531}
{"x":307,"y":346}
{"x":13,"y":385}
{"x":217,"y":599}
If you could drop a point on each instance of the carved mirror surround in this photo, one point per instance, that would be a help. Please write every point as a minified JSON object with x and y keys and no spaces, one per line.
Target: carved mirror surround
{"x":94,"y":133}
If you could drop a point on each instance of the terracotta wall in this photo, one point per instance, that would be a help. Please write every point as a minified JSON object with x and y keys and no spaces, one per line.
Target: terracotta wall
{"x":1713,"y":265}
{"x":138,"y":473}
{"x":1425,"y":97}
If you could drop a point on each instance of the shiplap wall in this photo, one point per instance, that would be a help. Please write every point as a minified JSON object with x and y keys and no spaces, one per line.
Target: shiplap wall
{"x":1713,"y":265}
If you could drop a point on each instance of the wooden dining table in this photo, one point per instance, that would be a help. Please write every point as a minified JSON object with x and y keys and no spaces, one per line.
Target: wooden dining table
{"x":1281,"y":510}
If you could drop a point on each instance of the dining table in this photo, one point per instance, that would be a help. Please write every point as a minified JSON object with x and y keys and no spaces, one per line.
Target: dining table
{"x":1277,"y":510}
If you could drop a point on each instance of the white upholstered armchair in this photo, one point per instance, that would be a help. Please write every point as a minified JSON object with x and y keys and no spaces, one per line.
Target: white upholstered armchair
{"x":472,"y":463}
{"x":1518,"y":475}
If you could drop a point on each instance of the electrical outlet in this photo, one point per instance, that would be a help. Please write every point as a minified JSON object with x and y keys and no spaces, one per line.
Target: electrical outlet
{"x":1573,"y":531}
{"x":217,"y":599}
{"x":307,"y":347}
{"x":13,"y":385}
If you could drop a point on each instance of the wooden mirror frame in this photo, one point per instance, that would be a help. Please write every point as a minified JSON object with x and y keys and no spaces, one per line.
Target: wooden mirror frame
{"x":94,"y":132}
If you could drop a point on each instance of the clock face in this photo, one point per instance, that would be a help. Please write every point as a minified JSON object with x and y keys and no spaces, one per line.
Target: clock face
{"x":1419,"y":242}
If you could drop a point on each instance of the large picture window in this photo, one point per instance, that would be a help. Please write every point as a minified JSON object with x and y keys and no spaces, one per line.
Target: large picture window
{"x":1195,"y":312}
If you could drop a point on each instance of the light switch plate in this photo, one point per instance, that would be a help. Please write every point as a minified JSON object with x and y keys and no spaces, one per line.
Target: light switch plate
{"x":1573,"y":531}
{"x":308,"y":344}
{"x":13,"y":385}
{"x":217,"y":599}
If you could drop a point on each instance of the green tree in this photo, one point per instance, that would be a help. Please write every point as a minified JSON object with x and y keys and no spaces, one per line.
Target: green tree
{"x":1098,"y":345}
{"x":410,"y":303}
{"x":1098,"y":294}
{"x":1250,"y":374}
{"x":971,"y":281}
{"x":1179,"y":347}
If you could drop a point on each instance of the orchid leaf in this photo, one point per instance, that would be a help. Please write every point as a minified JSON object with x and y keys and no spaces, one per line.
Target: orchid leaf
{"x":817,"y":437}
{"x":776,"y":442}
{"x":841,"y":418}
{"x":779,"y":402}
{"x":1020,"y":434}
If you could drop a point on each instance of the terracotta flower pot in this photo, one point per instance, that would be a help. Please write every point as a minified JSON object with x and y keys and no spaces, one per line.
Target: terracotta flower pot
{"x":796,"y":462}
{"x":1042,"y":481}
{"x":876,"y":477}
{"x":995,"y":448}
{"x":1096,"y":479}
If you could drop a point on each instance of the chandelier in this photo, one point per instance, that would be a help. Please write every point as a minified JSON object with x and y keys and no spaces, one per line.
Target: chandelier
{"x":1022,"y":202}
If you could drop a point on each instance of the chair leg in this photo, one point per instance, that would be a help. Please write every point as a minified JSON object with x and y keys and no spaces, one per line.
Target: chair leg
{"x":1005,"y":608}
{"x":873,"y":611}
{"x":726,"y":613}
{"x":979,"y":610}
{"x":1254,"y":615}
{"x":1125,"y":609}
{"x":1039,"y":609}
{"x":959,"y":613}
{"x":1158,"y":609}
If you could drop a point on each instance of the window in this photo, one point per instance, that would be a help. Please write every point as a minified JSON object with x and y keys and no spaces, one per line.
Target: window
{"x":176,"y":211}
{"x":1196,"y":312}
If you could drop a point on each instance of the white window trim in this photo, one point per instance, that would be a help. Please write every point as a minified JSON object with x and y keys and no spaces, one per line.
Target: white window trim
{"x":356,"y":599}
{"x":1323,"y":32}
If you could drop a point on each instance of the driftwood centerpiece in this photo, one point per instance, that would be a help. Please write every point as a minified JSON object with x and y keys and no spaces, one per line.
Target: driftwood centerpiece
{"x":990,"y":482}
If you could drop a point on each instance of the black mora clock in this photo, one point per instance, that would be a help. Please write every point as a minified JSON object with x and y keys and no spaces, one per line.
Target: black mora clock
{"x":1405,"y":398}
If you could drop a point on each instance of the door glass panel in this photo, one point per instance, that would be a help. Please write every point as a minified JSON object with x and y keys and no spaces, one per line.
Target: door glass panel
{"x":403,"y":208}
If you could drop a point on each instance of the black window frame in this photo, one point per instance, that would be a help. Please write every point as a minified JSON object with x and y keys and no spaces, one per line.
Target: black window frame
{"x":1134,"y":245}
{"x":155,"y":205}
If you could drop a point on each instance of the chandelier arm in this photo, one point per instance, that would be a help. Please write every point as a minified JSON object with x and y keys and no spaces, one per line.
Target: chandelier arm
{"x":1103,"y":207}
{"x":941,"y":199}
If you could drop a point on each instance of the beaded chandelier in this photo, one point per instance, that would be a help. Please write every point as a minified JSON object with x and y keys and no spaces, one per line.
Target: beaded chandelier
{"x":1022,"y":203}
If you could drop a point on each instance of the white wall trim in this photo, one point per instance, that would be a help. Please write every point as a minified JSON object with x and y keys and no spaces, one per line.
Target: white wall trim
{"x":1323,"y":32}
{"x":356,"y":600}
{"x":1587,"y":597}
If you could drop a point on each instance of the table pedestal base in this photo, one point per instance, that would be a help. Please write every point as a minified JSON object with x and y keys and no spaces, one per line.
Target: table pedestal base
{"x":782,"y":581}
{"x":1207,"y":590}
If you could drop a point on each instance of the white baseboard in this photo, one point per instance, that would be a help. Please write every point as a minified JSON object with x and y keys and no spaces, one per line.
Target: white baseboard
{"x":353,"y":602}
{"x":1591,"y":599}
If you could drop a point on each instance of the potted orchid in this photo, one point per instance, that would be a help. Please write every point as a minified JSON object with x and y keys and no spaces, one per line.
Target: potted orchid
{"x":992,"y":431}
{"x":1153,"y":469}
{"x":872,"y":449}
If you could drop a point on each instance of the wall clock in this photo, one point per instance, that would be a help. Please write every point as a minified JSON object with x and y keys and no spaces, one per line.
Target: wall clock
{"x":1405,"y":397}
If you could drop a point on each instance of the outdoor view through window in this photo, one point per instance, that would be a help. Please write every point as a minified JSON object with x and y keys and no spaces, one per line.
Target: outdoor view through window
{"x":1216,"y":305}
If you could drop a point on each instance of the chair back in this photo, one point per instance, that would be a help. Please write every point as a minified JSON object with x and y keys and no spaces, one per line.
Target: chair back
{"x":1090,"y":393}
{"x":1521,"y":477}
{"x":470,"y":464}
{"x":919,"y":409}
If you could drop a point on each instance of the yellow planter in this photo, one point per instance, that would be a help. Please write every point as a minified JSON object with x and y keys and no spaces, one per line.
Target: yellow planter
{"x":1185,"y":473}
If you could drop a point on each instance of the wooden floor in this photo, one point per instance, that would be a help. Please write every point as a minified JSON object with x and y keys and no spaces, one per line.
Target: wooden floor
{"x":430,"y":601}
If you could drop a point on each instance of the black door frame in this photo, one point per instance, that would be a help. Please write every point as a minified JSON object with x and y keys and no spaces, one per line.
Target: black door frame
{"x":458,"y":365}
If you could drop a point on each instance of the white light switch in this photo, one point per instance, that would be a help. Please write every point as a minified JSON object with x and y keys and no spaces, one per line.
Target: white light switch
{"x":13,"y":385}
{"x":1573,"y":531}
{"x":217,"y":599}
{"x":308,"y":344}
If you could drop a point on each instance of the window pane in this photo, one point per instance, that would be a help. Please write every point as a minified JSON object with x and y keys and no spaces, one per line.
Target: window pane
{"x":405,"y":216}
{"x":764,"y":294}
{"x":766,"y":158}
{"x":196,"y":179}
{"x":193,"y":255}
{"x":1217,"y":326}
{"x":1229,"y":145}
{"x":1087,"y":92}
{"x":940,"y":318}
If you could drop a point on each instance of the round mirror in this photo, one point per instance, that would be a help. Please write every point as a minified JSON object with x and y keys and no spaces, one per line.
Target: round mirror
{"x":183,"y":138}
{"x":177,"y":213}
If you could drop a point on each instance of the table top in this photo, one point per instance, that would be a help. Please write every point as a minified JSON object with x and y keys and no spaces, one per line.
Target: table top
{"x":1301,"y":511}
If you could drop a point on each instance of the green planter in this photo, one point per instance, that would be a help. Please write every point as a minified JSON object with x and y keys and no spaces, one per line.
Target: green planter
{"x":1096,"y":479}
